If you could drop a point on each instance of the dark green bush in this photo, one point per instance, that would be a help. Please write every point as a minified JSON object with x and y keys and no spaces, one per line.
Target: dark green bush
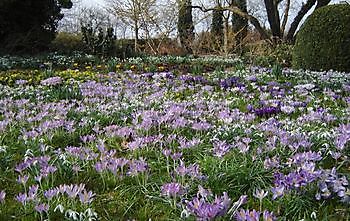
{"x":323,"y":42}
{"x":67,"y":43}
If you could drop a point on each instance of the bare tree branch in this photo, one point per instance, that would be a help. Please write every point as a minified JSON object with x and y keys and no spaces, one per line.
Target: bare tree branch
{"x":234,"y":9}
{"x":294,"y":26}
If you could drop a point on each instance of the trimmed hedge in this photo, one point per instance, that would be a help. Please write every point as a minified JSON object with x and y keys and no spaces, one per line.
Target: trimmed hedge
{"x":323,"y":42}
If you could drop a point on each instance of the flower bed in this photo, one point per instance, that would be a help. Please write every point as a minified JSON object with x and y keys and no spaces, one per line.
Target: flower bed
{"x":251,"y":144}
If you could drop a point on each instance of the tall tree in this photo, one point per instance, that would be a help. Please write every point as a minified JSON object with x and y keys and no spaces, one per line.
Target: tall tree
{"x":136,"y":13}
{"x":239,"y":23}
{"x":273,"y":17}
{"x":185,"y":25}
{"x":217,"y":26}
{"x":29,"y":26}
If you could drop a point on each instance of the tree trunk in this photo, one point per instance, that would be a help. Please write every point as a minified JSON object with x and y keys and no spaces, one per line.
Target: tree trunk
{"x":226,"y":26}
{"x":273,"y":17}
{"x":239,"y":24}
{"x":185,"y":25}
{"x":136,"y":35}
{"x":217,"y":28}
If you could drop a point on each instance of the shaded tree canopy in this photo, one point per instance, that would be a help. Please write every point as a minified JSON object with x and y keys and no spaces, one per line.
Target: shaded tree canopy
{"x":28,"y":26}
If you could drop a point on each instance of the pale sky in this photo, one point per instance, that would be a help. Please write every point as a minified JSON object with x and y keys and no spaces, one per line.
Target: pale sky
{"x":92,"y":2}
{"x":203,"y":24}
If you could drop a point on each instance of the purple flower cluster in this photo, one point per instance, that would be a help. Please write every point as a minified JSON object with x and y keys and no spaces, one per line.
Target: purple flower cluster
{"x":201,"y":126}
{"x":192,"y":170}
{"x":221,"y":148}
{"x":30,"y":196}
{"x":301,"y":158}
{"x":72,"y":191}
{"x":111,"y":163}
{"x":206,"y":210}
{"x":193,"y":79}
{"x":231,"y":82}
{"x":172,"y":189}
{"x":243,"y":144}
{"x":267,"y":111}
{"x":93,"y":89}
{"x":320,"y":115}
{"x":343,"y":137}
{"x":82,"y":153}
{"x":41,"y":163}
{"x":42,"y":207}
{"x":107,"y":161}
{"x":51,"y":81}
{"x":21,"y":82}
{"x":294,"y":141}
{"x":186,"y":144}
{"x":332,"y":184}
{"x":294,"y":180}
{"x":270,"y":163}
{"x":253,"y":215}
{"x":137,"y":166}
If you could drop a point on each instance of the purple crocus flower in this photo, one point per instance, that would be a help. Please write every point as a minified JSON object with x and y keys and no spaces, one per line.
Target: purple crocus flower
{"x":100,"y":167}
{"x":49,"y":194}
{"x":43,"y":207}
{"x":201,"y":126}
{"x":260,"y":194}
{"x":86,"y":197}
{"x":181,"y":170}
{"x":241,"y":215}
{"x":61,"y":189}
{"x":137,"y":166}
{"x":246,"y":215}
{"x":221,"y":148}
{"x":204,"y":193}
{"x":32,"y":192}
{"x":277,"y":191}
{"x":22,"y":198}
{"x":287,"y":109}
{"x":22,"y":179}
{"x":176,"y":156}
{"x":172,"y":189}
{"x":38,"y":178}
{"x":205,"y":210}
{"x":73,"y":190}
{"x":269,"y":216}
{"x":267,"y":111}
{"x":22,"y":166}
{"x":166,"y":152}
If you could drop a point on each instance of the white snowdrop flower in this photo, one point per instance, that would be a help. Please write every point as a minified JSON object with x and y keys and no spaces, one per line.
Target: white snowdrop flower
{"x":3,"y":149}
{"x":60,"y":208}
{"x":72,"y":214}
